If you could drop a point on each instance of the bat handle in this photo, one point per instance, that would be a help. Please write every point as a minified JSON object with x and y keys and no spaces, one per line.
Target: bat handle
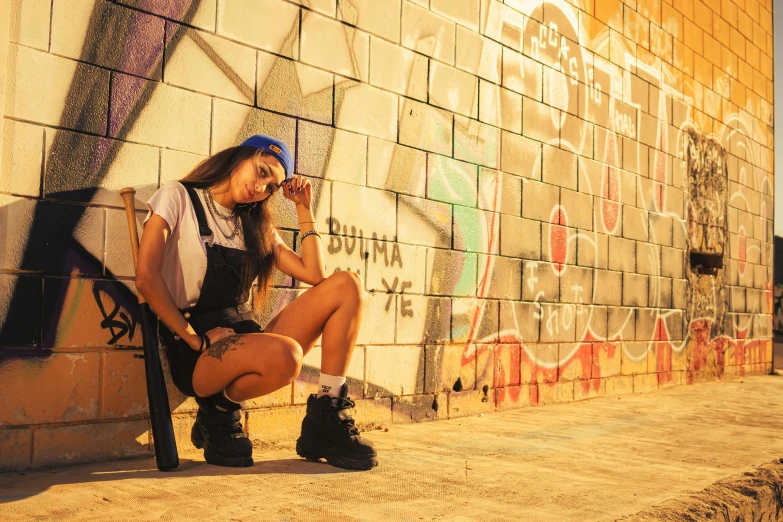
{"x":129,"y":198}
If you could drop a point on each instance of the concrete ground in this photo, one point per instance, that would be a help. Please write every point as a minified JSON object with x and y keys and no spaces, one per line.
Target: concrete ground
{"x":602,"y":459}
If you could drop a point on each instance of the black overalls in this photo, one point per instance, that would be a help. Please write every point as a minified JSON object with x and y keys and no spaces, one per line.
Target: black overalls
{"x":223,"y":301}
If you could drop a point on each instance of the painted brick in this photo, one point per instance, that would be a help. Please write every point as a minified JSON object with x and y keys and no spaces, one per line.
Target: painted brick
{"x":40,"y":88}
{"x":607,"y":359}
{"x":560,"y":91}
{"x":591,"y":322}
{"x":419,"y":408}
{"x":500,"y":277}
{"x":555,"y":393}
{"x":672,"y":262}
{"x":424,"y":222}
{"x":294,"y":88}
{"x":464,"y":12}
{"x":520,"y":237}
{"x":476,"y":230}
{"x":476,"y":142}
{"x":69,"y":176}
{"x":451,"y":181}
{"x":426,"y":127}
{"x":428,"y":33}
{"x":22,"y":158}
{"x":274,"y":424}
{"x":647,"y":328}
{"x":541,"y":122}
{"x":329,"y":44}
{"x":621,"y":324}
{"x":648,"y":259}
{"x":485,"y":366}
{"x":282,"y":37}
{"x":507,"y":365}
{"x":576,"y":135}
{"x":635,"y":290}
{"x":453,"y":89}
{"x":500,"y":192}
{"x":522,"y":74}
{"x":29,"y":23}
{"x":592,"y":250}
{"x":589,"y":389}
{"x":635,"y":223}
{"x":16,"y":448}
{"x":372,"y":414}
{"x":377,"y":17}
{"x":558,"y":323}
{"x":323,"y":151}
{"x":575,"y":362}
{"x":423,"y":320}
{"x":539,"y":200}
{"x":559,"y":167}
{"x":608,"y":287}
{"x":558,"y":243}
{"x":634,"y":358}
{"x":449,"y":367}
{"x":516,"y":397}
{"x":576,"y":285}
{"x":622,"y":254}
{"x":202,"y":62}
{"x":520,"y":321}
{"x":367,"y":110}
{"x":377,"y":324}
{"x":124,"y":390}
{"x":467,"y":403}
{"x":451,"y":273}
{"x":578,"y":208}
{"x":544,"y":363}
{"x":74,"y":377}
{"x":619,"y":385}
{"x":172,"y":117}
{"x":540,"y":282}
{"x":474,"y":320}
{"x":403,"y":263}
{"x":73,"y":36}
{"x":376,"y":212}
{"x":232,"y":123}
{"x":397,"y":69}
{"x":203,"y":17}
{"x":645,"y":383}
{"x":478,"y":55}
{"x":90,"y":442}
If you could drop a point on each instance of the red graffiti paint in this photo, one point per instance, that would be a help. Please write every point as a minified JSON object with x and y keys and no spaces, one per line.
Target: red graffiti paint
{"x":742,"y":254}
{"x":610,"y":193}
{"x":558,"y":238}
{"x":659,"y":176}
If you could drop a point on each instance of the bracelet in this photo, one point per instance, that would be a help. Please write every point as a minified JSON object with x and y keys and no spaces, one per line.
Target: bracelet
{"x":307,"y":234}
{"x":204,"y":340}
{"x":306,"y":222}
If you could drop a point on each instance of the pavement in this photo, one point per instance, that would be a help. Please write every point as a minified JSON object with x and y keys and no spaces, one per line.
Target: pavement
{"x":603,"y":459}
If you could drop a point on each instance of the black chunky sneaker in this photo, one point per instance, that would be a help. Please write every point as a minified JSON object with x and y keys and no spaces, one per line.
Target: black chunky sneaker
{"x":218,"y":431}
{"x":328,"y":432}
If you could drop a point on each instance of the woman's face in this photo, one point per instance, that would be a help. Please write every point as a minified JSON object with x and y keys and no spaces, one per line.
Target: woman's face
{"x":256,"y":179}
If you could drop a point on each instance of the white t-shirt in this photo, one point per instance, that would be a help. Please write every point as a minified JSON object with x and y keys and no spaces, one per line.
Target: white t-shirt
{"x":185,"y":263}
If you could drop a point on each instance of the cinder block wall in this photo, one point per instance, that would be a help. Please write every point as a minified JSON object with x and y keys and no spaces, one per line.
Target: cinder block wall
{"x":547,"y":201}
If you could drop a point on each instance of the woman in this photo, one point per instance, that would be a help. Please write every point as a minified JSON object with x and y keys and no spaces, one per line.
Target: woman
{"x":206,"y":239}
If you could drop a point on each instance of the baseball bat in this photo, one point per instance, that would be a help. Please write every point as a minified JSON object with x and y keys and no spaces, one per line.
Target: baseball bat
{"x":166,"y":454}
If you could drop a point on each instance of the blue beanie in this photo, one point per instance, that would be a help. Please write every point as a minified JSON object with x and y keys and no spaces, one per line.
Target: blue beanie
{"x":274,"y":147}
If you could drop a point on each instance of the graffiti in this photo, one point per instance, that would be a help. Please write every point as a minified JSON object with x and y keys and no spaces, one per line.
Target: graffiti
{"x":521,"y":257}
{"x":125,"y":326}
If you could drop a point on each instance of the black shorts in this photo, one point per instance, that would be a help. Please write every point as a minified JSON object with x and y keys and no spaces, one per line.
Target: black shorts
{"x":183,"y":358}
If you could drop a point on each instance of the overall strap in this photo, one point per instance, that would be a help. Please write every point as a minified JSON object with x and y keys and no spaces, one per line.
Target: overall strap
{"x":201,"y":217}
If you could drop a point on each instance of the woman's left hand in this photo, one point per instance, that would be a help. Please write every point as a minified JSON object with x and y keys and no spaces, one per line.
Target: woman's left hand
{"x":299,"y":190}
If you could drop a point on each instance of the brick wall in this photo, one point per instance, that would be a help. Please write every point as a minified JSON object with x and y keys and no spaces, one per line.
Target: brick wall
{"x":520,"y":185}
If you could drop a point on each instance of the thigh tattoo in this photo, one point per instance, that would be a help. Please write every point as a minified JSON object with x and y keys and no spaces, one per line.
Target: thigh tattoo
{"x":218,"y":348}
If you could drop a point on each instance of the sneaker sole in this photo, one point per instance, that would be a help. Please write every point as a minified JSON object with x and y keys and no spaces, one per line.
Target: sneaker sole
{"x":214,"y":458}
{"x":312,"y":450}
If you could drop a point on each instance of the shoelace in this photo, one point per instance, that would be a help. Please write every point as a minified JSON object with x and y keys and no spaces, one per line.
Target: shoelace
{"x":348,"y":423}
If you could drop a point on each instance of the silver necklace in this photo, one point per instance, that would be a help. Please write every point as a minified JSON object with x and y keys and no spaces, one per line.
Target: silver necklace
{"x":216,"y":212}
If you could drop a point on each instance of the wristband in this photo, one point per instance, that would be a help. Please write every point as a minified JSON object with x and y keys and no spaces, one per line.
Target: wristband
{"x":307,"y":234}
{"x":204,"y":340}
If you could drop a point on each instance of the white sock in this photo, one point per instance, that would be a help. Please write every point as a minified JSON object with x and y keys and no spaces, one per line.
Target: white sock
{"x":330,"y":385}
